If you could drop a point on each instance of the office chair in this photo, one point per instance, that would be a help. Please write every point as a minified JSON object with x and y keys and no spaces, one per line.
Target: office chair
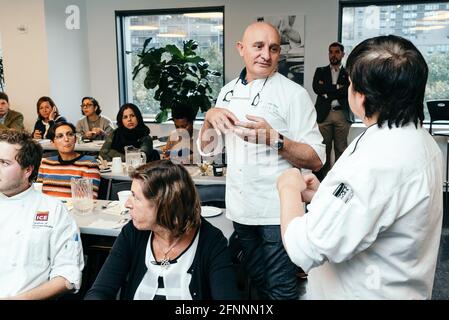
{"x":212,"y":195}
{"x":117,"y":186}
{"x":439,"y":111}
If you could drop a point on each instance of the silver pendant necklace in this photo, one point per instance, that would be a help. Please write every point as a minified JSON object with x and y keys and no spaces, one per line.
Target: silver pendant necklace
{"x":165,"y":261}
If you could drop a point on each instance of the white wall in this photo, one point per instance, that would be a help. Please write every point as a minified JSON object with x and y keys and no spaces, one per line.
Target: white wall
{"x":25,"y":55}
{"x":68,"y":56}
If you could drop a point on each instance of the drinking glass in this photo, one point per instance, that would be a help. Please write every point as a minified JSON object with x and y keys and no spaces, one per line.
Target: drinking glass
{"x":82,"y":195}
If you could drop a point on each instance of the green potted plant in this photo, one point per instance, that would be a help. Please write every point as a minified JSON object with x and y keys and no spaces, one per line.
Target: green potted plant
{"x":181,"y":77}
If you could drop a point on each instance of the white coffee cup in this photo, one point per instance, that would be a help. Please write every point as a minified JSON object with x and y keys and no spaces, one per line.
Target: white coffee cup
{"x":37,"y":186}
{"x":117,"y":165}
{"x":123,"y":197}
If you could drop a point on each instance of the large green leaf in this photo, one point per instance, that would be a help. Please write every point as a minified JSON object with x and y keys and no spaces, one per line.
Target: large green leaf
{"x":214,"y":73}
{"x":188,"y":84}
{"x":173,"y":71}
{"x":190,"y":47}
{"x":162,"y":116}
{"x":173,"y":50}
{"x":195,"y":59}
{"x":146,"y":43}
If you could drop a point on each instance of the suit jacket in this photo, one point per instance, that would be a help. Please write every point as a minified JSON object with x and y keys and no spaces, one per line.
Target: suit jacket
{"x":322,"y":84}
{"x":13,"y":120}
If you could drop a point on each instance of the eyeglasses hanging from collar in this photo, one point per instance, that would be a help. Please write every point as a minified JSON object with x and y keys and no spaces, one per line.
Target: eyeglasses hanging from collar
{"x":256,"y":98}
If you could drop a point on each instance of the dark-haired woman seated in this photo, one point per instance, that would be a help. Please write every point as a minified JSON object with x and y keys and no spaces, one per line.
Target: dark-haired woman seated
{"x":56,"y":171}
{"x":168,"y":251}
{"x":131,"y":131}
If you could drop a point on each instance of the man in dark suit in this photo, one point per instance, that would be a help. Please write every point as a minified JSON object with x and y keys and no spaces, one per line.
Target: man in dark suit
{"x":334,"y":117}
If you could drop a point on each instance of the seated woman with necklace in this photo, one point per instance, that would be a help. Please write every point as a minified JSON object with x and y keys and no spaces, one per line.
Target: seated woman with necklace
{"x":168,"y":251}
{"x":131,"y":131}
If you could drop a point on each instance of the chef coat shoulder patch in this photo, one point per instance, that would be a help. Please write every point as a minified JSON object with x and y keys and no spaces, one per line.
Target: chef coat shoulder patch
{"x":343,"y":192}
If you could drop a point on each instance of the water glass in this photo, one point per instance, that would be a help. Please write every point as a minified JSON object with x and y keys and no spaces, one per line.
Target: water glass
{"x":79,"y":138}
{"x":82,"y":195}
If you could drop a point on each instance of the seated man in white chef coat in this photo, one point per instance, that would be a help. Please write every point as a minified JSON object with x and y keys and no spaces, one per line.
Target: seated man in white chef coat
{"x":40,"y":247}
{"x":373,"y":226}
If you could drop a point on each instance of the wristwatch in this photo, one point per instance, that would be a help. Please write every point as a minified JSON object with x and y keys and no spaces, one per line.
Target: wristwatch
{"x":278,"y":144}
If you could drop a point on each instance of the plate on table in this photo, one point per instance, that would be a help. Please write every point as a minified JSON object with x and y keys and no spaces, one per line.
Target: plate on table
{"x":207,"y":211}
{"x":158,"y":144}
{"x":98,"y":142}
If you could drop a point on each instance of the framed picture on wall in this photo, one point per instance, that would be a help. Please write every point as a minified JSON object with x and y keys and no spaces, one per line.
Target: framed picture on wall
{"x":291,"y":60}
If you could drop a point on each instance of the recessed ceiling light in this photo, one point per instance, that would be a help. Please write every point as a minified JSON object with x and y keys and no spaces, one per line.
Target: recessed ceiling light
{"x":142,"y":28}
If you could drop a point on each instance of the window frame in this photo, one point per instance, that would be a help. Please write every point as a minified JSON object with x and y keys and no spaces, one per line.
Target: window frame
{"x":120,"y":15}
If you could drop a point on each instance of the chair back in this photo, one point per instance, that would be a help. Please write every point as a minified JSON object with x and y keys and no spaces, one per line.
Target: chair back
{"x":212,"y":195}
{"x":117,"y":186}
{"x":438,"y":111}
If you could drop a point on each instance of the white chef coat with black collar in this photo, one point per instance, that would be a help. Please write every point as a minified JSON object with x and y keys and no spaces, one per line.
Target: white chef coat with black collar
{"x":252,"y":171}
{"x":373,"y":227}
{"x":39,"y":240}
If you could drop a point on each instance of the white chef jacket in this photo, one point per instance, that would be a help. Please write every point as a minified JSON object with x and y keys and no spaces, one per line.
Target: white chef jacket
{"x":39,"y":240}
{"x":251,"y":195}
{"x":373,"y":227}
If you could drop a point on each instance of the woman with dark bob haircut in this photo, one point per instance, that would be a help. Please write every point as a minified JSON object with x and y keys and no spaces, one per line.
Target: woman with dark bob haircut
{"x":168,"y":251}
{"x":55,"y":172}
{"x":93,"y":126}
{"x":131,"y":131}
{"x":381,"y":205}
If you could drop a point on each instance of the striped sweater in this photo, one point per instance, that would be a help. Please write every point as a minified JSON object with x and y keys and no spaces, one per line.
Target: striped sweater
{"x":55,"y":174}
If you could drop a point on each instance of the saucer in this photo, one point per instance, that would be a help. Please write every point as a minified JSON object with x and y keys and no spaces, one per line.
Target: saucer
{"x":207,"y":211}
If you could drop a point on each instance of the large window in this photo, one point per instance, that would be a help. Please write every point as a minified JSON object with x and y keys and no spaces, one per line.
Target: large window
{"x":204,"y":25}
{"x":424,"y":23}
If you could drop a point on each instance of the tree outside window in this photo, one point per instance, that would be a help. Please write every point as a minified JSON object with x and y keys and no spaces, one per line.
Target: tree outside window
{"x":426,"y":25}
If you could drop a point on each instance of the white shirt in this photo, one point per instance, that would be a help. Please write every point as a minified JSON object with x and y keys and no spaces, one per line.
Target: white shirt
{"x":335,"y":74}
{"x":373,"y":227}
{"x":176,"y":276}
{"x":39,"y":240}
{"x":251,"y":195}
